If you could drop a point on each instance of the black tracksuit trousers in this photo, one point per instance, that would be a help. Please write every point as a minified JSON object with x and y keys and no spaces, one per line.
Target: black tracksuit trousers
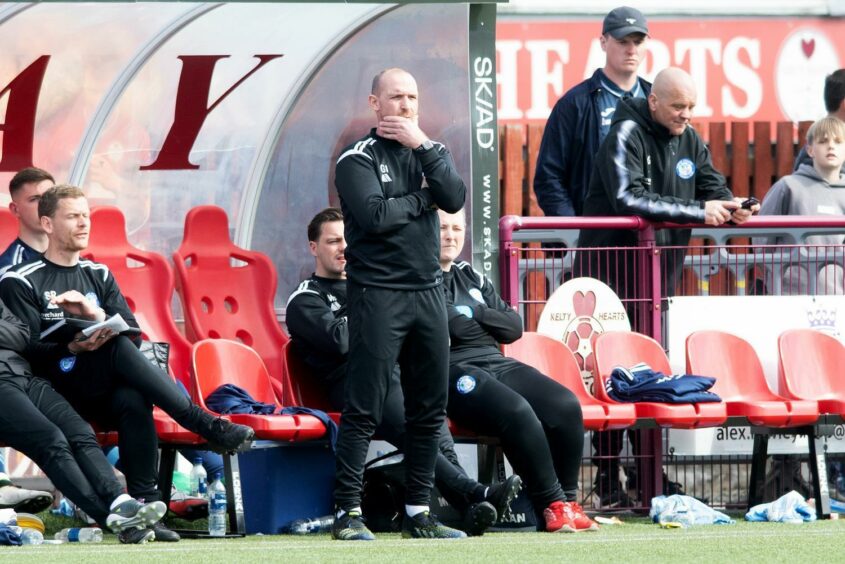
{"x":37,"y":421}
{"x":451,"y":479}
{"x":538,"y":421}
{"x":116,"y":387}
{"x":385,"y":327}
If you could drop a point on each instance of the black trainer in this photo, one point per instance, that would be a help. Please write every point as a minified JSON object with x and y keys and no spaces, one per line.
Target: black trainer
{"x":224,"y":436}
{"x":479,"y":517}
{"x":136,"y":535}
{"x":350,"y":526}
{"x":501,"y":495}
{"x":132,"y":513}
{"x":163,"y":534}
{"x":425,"y":526}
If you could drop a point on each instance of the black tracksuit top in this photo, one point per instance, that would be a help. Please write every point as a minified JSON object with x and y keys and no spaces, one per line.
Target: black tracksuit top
{"x":316,"y":320}
{"x":27,"y":289}
{"x":387,"y":194}
{"x":493,"y":321}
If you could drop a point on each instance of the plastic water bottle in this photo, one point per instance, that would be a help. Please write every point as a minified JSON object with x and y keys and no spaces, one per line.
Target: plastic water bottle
{"x":217,"y":508}
{"x":83,"y":534}
{"x":199,"y":480}
{"x":31,"y":536}
{"x":311,"y":526}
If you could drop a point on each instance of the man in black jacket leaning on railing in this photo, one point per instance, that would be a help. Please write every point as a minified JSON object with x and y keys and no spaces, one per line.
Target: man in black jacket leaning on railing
{"x":653,"y":165}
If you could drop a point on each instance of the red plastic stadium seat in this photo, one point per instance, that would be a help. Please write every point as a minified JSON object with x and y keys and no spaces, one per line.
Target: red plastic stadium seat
{"x":8,"y":228}
{"x":741,"y":383}
{"x":555,"y":360}
{"x":618,"y":348}
{"x":146,"y":281}
{"x":220,"y":361}
{"x":811,"y":366}
{"x":227,"y":292}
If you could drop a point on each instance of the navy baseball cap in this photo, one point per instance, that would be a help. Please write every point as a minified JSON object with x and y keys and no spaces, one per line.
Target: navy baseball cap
{"x":624,"y":21}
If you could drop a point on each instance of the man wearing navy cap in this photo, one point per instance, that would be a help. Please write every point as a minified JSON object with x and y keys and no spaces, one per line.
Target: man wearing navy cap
{"x":581,"y":119}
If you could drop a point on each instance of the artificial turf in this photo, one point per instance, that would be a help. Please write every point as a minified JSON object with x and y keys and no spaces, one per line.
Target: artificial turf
{"x":637,"y":540}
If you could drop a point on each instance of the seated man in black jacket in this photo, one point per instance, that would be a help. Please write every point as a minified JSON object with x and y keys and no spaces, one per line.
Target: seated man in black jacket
{"x":104,"y":376}
{"x":40,"y":423}
{"x":538,"y":421}
{"x":316,"y":319}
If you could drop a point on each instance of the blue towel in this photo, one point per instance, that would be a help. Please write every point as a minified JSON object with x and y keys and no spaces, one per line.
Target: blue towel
{"x":331,"y":426}
{"x":643,"y":383}
{"x":789,"y":508}
{"x":230,"y":398}
{"x":685,"y":510}
{"x":9,"y":537}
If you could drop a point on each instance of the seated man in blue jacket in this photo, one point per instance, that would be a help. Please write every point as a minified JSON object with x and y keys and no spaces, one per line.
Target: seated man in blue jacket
{"x":316,"y":319}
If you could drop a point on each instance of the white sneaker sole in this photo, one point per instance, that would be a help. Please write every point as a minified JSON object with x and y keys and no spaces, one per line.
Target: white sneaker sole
{"x":150,"y":514}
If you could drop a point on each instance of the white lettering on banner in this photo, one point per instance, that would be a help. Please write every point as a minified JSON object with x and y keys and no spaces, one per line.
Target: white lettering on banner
{"x":487,"y":246}
{"x":658,"y":59}
{"x":742,"y":77}
{"x":543,"y":75}
{"x":741,"y":86}
{"x":698,"y":50}
{"x":483,"y":69}
{"x":487,"y":196}
{"x":506,"y":79}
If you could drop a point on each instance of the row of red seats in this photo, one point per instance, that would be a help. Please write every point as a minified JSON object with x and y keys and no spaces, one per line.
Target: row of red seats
{"x":810,"y":388}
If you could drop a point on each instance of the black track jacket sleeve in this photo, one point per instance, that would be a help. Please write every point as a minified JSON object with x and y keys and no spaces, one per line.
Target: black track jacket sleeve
{"x":21,"y":299}
{"x":378,"y":213}
{"x":636,"y":186}
{"x":14,"y":333}
{"x":446,"y":186}
{"x":311,"y":319}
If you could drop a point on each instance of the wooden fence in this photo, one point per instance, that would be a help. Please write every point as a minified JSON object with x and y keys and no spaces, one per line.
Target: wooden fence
{"x":751,"y":167}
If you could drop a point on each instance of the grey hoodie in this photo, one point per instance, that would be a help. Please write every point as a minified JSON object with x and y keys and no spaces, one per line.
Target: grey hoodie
{"x":805,"y":192}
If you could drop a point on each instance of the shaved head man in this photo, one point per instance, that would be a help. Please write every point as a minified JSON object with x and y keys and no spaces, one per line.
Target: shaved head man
{"x":653,"y":165}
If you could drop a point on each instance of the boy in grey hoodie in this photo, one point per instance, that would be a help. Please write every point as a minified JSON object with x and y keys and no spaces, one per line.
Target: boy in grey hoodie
{"x":815,"y":190}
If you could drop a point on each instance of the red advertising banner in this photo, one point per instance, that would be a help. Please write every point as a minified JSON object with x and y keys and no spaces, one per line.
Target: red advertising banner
{"x":745,"y":68}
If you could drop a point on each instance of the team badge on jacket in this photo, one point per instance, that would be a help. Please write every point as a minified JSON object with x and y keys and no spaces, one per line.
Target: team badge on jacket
{"x":685,"y":169}
{"x":465,"y":384}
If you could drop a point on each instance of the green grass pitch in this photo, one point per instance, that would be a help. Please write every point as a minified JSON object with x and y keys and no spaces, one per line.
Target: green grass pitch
{"x":636,"y":541}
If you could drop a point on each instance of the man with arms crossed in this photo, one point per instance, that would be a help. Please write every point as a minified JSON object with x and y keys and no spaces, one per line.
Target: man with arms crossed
{"x":389,"y":183}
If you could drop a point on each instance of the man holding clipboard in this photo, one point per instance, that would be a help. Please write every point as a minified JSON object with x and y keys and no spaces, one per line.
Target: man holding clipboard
{"x":103,"y":375}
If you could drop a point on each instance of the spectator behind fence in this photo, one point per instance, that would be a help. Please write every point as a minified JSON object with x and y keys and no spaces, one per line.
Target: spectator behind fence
{"x":389,"y":183}
{"x":316,"y":319}
{"x":653,"y":165}
{"x":104,"y":376}
{"x":581,"y":119}
{"x":834,"y":103}
{"x":538,"y":420}
{"x":817,"y":188}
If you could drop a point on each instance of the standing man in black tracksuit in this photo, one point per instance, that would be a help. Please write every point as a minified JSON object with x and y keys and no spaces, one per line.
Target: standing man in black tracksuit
{"x":317,"y":322}
{"x":654,"y":165}
{"x":104,"y":377}
{"x":390,"y":183}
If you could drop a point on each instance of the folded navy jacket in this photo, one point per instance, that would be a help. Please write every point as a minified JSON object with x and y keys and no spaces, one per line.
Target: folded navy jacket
{"x":230,"y":398}
{"x":643,"y":383}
